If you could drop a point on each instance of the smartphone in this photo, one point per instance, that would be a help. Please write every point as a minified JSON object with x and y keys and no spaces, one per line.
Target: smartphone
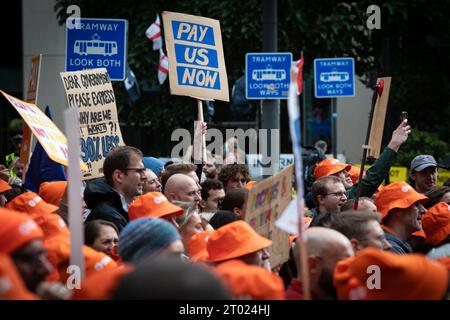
{"x":403,"y":115}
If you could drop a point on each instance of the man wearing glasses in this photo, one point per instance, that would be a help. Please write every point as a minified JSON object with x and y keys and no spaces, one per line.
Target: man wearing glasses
{"x":329,"y":195}
{"x":124,"y":179}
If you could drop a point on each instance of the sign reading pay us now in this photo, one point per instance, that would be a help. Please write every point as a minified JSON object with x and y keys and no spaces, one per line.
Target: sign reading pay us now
{"x":196,"y":61}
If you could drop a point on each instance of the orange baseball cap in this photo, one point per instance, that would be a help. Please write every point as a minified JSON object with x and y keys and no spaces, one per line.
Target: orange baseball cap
{"x":249,"y":281}
{"x":101,"y":285}
{"x":31,"y":203}
{"x":153,"y":205}
{"x":16,"y":230}
{"x":328,"y":167}
{"x":401,"y":277}
{"x":397,"y":195}
{"x":234,"y":240}
{"x":12,"y":286}
{"x":4,"y":186}
{"x":196,"y":247}
{"x":436,"y":223}
{"x":52,"y":192}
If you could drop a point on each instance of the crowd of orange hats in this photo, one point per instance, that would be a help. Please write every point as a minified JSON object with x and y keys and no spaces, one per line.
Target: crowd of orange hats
{"x":35,"y":251}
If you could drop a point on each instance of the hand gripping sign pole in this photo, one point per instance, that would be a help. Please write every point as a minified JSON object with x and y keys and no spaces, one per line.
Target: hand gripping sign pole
{"x":375,"y":128}
{"x":201,"y":120}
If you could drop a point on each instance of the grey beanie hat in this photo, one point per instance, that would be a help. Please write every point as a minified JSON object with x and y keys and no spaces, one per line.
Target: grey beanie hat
{"x":145,"y":237}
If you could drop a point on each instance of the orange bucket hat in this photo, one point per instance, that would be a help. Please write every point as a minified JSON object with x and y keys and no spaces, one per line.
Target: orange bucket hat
{"x":31,"y":203}
{"x":52,"y":192}
{"x":16,"y":230}
{"x":234,"y":240}
{"x":248,"y":281}
{"x":436,"y":223}
{"x":397,"y":195}
{"x":4,"y":186}
{"x":152,"y":205}
{"x":196,"y":247}
{"x":12,"y":287}
{"x":52,"y":225}
{"x":402,"y":277}
{"x":328,"y":167}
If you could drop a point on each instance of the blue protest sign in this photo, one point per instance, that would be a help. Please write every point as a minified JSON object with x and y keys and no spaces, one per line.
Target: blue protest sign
{"x":196,"y":62}
{"x":267,"y":75}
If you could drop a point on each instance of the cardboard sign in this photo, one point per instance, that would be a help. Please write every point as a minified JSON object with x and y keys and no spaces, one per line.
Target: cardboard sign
{"x":196,"y":62}
{"x":91,"y":92}
{"x":51,"y":138}
{"x":379,"y":115}
{"x":265,"y":202}
{"x":32,"y":92}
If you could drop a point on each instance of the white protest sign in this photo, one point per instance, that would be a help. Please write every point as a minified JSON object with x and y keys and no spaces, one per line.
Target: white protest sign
{"x":196,"y":61}
{"x":74,"y":187}
{"x":91,"y":92}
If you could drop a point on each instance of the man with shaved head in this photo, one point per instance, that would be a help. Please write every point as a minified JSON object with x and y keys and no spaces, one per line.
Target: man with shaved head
{"x":182,"y":188}
{"x":325,"y":248}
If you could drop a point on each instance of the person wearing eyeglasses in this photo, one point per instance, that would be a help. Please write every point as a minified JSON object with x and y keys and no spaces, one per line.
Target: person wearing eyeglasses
{"x":124,"y":179}
{"x":329,"y":195}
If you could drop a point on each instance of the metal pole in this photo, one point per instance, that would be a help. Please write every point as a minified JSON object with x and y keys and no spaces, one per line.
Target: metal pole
{"x":270,"y":111}
{"x":333,"y":127}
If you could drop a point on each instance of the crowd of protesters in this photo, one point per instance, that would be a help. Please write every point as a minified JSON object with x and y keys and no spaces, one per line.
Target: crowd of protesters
{"x":178,"y":231}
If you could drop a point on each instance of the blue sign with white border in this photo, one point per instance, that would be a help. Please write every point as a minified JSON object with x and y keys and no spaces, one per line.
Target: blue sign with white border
{"x":98,"y":43}
{"x":267,"y":75}
{"x":334,"y":77}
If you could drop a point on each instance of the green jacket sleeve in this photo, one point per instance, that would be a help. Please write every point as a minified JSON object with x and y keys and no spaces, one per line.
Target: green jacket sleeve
{"x":375,"y":175}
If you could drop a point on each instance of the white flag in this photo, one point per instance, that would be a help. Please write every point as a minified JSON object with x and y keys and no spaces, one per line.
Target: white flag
{"x":154,"y":33}
{"x":163,"y":67}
